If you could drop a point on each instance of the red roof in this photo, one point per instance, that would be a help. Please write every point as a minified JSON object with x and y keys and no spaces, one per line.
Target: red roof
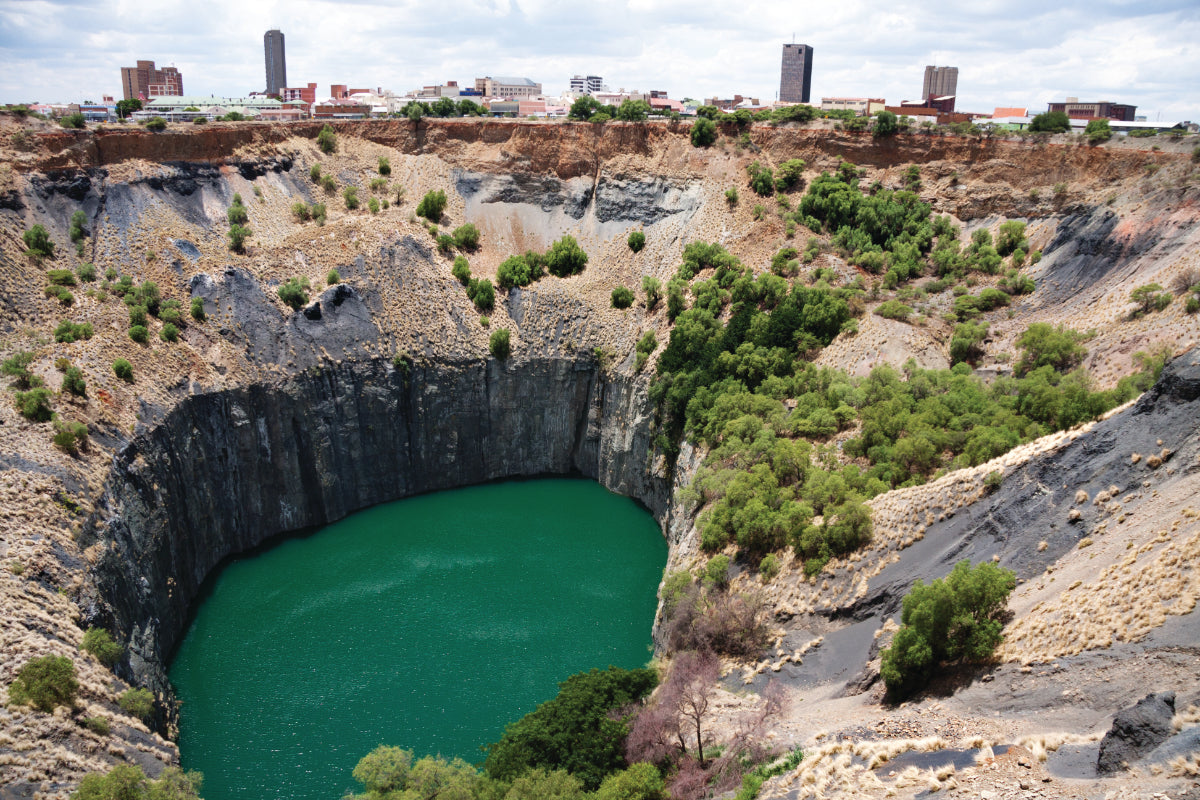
{"x":1010,"y":112}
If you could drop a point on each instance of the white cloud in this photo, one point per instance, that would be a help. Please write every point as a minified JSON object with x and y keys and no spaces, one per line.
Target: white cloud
{"x":1009,"y":52}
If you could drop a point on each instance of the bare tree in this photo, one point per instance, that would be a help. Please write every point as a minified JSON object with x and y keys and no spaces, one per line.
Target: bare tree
{"x":696,"y":673}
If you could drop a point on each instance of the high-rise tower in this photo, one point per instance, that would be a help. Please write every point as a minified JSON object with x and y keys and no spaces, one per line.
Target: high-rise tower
{"x":939,"y":82}
{"x":795,"y":75}
{"x":276,"y":64}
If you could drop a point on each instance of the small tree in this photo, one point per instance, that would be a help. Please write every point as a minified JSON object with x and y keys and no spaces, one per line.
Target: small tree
{"x":1050,"y":122}
{"x":636,"y":241}
{"x":762,"y":179}
{"x":332,"y":277}
{"x":100,"y":644}
{"x":1043,"y":344}
{"x":169,"y":333}
{"x":466,"y":237}
{"x":34,"y":405}
{"x":481,"y":292}
{"x":156,"y":124}
{"x":498,"y":343}
{"x":327,"y":140}
{"x":314,"y":173}
{"x":949,"y":620}
{"x":886,"y":124}
{"x":139,"y":334}
{"x":622,"y":297}
{"x":432,"y":205}
{"x":652,"y":288}
{"x":198,"y":309}
{"x":137,"y":703}
{"x":123,"y":370}
{"x":704,"y":132}
{"x":385,"y":166}
{"x":37,"y":240}
{"x":295,"y":292}
{"x":789,"y":174}
{"x":461,"y":270}
{"x":1098,"y":130}
{"x":74,"y":383}
{"x":566,"y":257}
{"x":238,"y":234}
{"x":633,"y":110}
{"x":1150,"y":297}
{"x":350,"y":195}
{"x":45,"y":683}
{"x":584,"y":108}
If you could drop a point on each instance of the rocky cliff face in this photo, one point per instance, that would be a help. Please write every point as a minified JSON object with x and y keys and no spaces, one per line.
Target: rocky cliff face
{"x":225,"y":471}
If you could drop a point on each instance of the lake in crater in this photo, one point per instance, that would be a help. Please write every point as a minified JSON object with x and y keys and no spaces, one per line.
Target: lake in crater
{"x":428,"y":623}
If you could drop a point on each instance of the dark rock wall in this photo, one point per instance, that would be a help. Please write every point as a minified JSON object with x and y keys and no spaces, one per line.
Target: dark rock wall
{"x":223,"y":472}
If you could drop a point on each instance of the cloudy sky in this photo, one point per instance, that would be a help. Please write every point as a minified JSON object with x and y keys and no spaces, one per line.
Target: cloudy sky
{"x":1009,"y":52}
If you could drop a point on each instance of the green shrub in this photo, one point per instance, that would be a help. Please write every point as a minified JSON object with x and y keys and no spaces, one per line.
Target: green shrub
{"x":373,"y":205}
{"x":139,"y":334}
{"x":169,"y":333}
{"x":328,"y":183}
{"x":17,"y":366}
{"x":965,"y":344}
{"x":75,"y":120}
{"x":332,"y":277}
{"x":237,"y":214}
{"x":385,"y":166}
{"x":1192,"y":305}
{"x":38,"y":242}
{"x":1050,"y":122}
{"x":445,"y":243}
{"x":74,"y":383}
{"x":762,"y":179}
{"x":314,"y":173}
{"x":636,"y":241}
{"x":318,"y":213}
{"x":198,"y":309}
{"x":45,"y":683}
{"x":566,"y":257}
{"x":350,"y":195}
{"x":1043,"y":345}
{"x":894,"y":309}
{"x":138,"y":315}
{"x":731,"y":196}
{"x":100,"y":644}
{"x":652,"y":288}
{"x":301,"y":212}
{"x":86,"y":272}
{"x":34,"y":404}
{"x":128,"y":782}
{"x":1098,"y":130}
{"x":1150,"y":297}
{"x":768,"y":568}
{"x":100,"y":724}
{"x":575,"y":731}
{"x":789,"y":174}
{"x":123,"y":370}
{"x":461,"y":270}
{"x":170,"y":312}
{"x":704,"y":132}
{"x":498,"y":343}
{"x":622,"y":297}
{"x":432,"y":205}
{"x":238,"y":234}
{"x":513,"y":271}
{"x":327,"y":140}
{"x":481,"y":292}
{"x":294,"y":292}
{"x":69,"y":436}
{"x":638,"y":782}
{"x":137,"y":703}
{"x":68,"y":332}
{"x":716,"y":571}
{"x":156,"y":124}
{"x":886,"y":124}
{"x":466,"y":237}
{"x":954,"y":619}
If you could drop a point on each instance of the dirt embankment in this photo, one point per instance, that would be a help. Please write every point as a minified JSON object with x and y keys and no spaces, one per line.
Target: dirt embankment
{"x":569,"y":150}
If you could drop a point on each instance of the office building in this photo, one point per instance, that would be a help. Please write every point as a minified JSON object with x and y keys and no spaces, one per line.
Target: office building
{"x":145,"y":82}
{"x":508,"y":88}
{"x":1104,"y":109}
{"x":939,"y":82}
{"x":276,"y":63}
{"x":587,"y":84}
{"x":795,"y":75}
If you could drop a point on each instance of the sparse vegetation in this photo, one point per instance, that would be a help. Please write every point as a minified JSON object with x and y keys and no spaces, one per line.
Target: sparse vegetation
{"x":350,"y":196}
{"x":38,"y":243}
{"x":385,"y":166}
{"x":128,"y":782}
{"x":197,"y":309}
{"x":1150,"y":297}
{"x":652,"y":289}
{"x":137,"y":703}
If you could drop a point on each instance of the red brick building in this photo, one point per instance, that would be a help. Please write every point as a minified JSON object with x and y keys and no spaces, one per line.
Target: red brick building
{"x":1104,"y":109}
{"x":146,"y":82}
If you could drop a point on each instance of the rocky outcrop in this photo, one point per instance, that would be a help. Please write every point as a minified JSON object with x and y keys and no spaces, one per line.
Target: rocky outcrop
{"x":1136,"y":731}
{"x":225,"y":471}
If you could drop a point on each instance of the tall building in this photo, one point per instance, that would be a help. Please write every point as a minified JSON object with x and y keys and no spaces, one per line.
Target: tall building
{"x":508,"y":88}
{"x":795,"y":75}
{"x":587,"y":84}
{"x":276,"y":64}
{"x":145,"y":82}
{"x":939,"y":82}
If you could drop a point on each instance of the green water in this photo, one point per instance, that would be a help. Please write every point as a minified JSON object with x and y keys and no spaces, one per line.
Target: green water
{"x":427,"y":623}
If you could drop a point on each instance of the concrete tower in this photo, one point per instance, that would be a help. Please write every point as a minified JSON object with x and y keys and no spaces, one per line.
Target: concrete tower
{"x":276,"y":64}
{"x":795,"y":75}
{"x":939,"y":82}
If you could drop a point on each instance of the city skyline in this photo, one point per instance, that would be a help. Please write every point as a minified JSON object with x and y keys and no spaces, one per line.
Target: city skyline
{"x":1024,"y":54}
